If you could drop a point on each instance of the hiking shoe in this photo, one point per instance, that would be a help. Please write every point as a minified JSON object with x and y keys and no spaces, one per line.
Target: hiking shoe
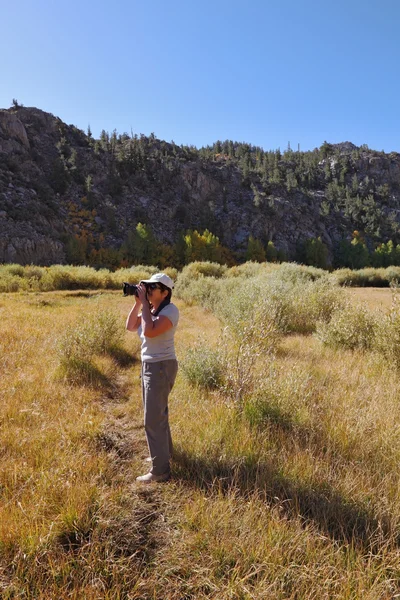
{"x":152,"y":478}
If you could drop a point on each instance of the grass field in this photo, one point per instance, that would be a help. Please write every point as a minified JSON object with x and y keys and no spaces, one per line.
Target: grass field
{"x":374,"y":297}
{"x":292,"y":496}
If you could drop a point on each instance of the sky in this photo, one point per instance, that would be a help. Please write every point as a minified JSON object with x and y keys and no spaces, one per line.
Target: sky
{"x":259,"y":71}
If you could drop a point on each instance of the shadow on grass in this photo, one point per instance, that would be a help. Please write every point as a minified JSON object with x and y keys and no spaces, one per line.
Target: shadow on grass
{"x":85,"y":373}
{"x":336,"y":516}
{"x":122,"y":357}
{"x":267,"y":414}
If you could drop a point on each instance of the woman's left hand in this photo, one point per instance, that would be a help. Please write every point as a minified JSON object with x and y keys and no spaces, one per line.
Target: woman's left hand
{"x":142,"y":293}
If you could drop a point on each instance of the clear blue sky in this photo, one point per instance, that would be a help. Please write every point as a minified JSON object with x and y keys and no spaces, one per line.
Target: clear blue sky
{"x":196,"y":71}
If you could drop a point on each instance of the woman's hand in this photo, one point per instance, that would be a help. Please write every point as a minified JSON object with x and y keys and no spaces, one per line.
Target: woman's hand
{"x":142,"y":293}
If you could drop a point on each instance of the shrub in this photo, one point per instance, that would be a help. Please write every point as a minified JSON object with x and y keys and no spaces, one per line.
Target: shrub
{"x":251,"y":331}
{"x":14,"y":269}
{"x":345,"y":277}
{"x":294,"y":273}
{"x":197,"y":283}
{"x":11,"y":283}
{"x":350,"y":327}
{"x":171,"y":272}
{"x":250,"y":269}
{"x":33,"y":272}
{"x":66,"y":277}
{"x":196,"y":270}
{"x":387,"y":339}
{"x":296,"y":306}
{"x":294,"y":298}
{"x":367,"y":277}
{"x":374,"y":277}
{"x":240,"y":357}
{"x":203,"y":291}
{"x":310,"y":303}
{"x":106,"y":331}
{"x":97,"y":334}
{"x":202,"y":366}
{"x":132,"y":275}
{"x":248,"y":309}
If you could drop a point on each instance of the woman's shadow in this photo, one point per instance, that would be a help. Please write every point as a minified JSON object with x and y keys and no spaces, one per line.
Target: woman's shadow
{"x":336,"y":516}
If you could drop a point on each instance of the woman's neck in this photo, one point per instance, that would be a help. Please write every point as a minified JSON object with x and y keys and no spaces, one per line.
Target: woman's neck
{"x":154,"y":307}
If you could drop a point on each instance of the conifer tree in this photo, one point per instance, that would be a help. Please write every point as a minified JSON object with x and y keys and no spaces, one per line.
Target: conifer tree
{"x":271,"y":253}
{"x":255,"y":250}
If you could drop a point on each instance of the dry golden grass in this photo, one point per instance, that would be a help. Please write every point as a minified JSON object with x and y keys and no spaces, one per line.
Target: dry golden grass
{"x":373,"y":297}
{"x":294,"y":498}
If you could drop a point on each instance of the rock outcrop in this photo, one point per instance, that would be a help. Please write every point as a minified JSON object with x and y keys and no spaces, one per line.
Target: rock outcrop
{"x":13,"y":136}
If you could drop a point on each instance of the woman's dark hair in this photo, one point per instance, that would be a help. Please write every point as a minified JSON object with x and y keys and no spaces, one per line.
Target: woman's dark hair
{"x":166,"y":300}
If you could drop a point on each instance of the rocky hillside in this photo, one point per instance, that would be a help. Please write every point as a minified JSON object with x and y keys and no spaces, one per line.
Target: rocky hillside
{"x":57,"y":184}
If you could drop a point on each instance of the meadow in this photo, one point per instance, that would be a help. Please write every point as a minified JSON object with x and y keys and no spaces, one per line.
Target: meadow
{"x":286,"y":428}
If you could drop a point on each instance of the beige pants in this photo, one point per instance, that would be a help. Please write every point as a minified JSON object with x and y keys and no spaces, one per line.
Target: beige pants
{"x":157,"y":381}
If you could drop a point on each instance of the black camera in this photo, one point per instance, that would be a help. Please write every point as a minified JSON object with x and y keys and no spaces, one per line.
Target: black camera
{"x":129,"y":289}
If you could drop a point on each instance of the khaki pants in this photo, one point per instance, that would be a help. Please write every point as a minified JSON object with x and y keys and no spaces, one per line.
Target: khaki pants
{"x":157,"y":381}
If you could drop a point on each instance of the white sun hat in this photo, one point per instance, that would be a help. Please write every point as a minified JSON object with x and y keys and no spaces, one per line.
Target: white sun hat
{"x":160,"y":278}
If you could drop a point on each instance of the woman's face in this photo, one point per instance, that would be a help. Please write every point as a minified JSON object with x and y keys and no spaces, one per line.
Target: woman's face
{"x":155,"y":294}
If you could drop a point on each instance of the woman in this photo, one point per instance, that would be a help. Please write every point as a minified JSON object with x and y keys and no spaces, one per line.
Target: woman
{"x":156,"y":327}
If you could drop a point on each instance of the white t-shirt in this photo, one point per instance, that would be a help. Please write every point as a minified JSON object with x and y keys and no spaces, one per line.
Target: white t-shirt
{"x":162,"y":346}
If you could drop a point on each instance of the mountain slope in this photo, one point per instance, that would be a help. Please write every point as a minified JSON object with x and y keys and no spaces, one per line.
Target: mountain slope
{"x":58,"y":184}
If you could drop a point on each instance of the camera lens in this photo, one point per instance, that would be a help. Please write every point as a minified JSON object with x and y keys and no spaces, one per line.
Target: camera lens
{"x":129,"y":289}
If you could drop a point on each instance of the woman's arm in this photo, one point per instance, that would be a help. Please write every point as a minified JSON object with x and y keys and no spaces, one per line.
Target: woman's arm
{"x":153,"y":328}
{"x":133,"y":320}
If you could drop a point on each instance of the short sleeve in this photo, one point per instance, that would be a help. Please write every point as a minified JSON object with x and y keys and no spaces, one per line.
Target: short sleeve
{"x":172,"y":312}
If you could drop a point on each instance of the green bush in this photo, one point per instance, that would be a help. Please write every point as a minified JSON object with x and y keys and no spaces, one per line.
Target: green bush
{"x":13,"y":269}
{"x":67,"y":277}
{"x":202,"y":366}
{"x":93,"y":335}
{"x":294,"y":273}
{"x":171,"y":272}
{"x":297,"y":306}
{"x":11,"y":283}
{"x":311,"y":302}
{"x":350,"y":327}
{"x":250,"y":269}
{"x":368,"y":277}
{"x":248,"y":309}
{"x":132,"y":275}
{"x":33,"y":273}
{"x":250,"y":332}
{"x":193,"y":272}
{"x":387,"y":338}
{"x":345,"y":277}
{"x":293,"y":297}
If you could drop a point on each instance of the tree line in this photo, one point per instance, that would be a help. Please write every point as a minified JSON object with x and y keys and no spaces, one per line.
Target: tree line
{"x":142,"y":247}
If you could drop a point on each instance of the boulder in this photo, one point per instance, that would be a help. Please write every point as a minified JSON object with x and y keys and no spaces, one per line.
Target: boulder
{"x":13,"y":133}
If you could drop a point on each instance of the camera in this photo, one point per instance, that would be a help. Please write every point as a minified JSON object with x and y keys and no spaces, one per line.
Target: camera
{"x":129,"y":289}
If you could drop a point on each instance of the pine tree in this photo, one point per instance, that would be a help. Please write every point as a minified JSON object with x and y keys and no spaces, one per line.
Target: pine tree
{"x":271,"y":253}
{"x":255,"y":250}
{"x":316,"y":253}
{"x":140,"y":246}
